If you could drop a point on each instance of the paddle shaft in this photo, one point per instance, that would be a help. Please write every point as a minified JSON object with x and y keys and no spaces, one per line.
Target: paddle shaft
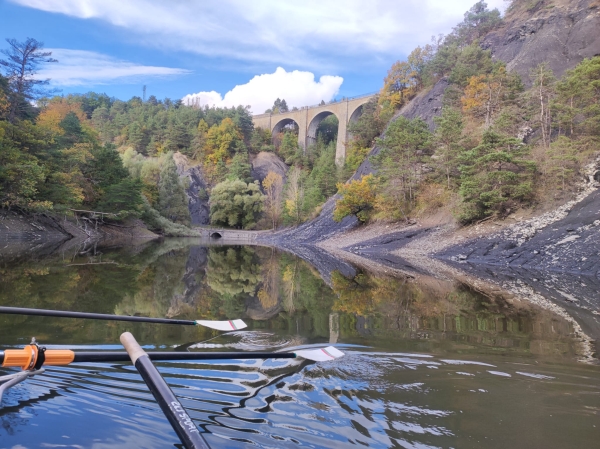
{"x":92,"y":316}
{"x":26,"y":357}
{"x":181,"y":422}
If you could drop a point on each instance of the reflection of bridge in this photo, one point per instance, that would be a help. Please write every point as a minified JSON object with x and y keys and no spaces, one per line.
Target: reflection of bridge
{"x":308,"y":118}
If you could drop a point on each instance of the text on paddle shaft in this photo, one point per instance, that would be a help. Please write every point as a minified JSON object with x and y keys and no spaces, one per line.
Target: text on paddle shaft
{"x":185,"y":421}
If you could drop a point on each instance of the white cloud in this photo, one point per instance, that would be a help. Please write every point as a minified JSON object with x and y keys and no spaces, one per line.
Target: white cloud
{"x":297,"y":88}
{"x":79,"y":67}
{"x":311,"y":33}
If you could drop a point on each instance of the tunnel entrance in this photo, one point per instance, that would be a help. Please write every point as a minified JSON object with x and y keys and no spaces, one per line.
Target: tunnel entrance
{"x":216,"y":235}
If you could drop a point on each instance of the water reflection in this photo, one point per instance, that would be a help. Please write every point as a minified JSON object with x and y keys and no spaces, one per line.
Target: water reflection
{"x":273,"y":291}
{"x":430,"y":363}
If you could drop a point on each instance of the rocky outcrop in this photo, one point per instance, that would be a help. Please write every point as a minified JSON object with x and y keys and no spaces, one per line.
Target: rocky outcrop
{"x":196,"y":189}
{"x":264,"y":162}
{"x":31,"y":227}
{"x":559,"y":32}
{"x":427,"y":105}
{"x":565,"y":240}
{"x":197,"y":197}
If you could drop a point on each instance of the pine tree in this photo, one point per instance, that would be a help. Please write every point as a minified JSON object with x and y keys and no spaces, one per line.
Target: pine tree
{"x":448,"y":136}
{"x":239,"y":168}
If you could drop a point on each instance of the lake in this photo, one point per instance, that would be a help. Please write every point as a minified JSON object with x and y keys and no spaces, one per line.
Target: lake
{"x":429,"y":363}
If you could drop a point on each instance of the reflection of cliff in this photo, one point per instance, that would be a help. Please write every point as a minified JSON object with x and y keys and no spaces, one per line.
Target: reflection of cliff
{"x":159,"y":286}
{"x":445,"y":314}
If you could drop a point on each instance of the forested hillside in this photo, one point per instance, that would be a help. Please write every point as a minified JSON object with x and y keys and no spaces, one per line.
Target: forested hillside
{"x":500,"y":140}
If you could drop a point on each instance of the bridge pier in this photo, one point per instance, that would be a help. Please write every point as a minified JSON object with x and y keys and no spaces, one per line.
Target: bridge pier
{"x":308,"y":119}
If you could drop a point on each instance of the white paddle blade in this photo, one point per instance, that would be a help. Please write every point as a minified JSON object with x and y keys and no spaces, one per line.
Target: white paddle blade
{"x":320,"y":355}
{"x":231,"y":325}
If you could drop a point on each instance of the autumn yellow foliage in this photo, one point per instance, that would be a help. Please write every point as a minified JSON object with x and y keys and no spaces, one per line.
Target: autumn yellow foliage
{"x":56,"y":111}
{"x":358,"y":198}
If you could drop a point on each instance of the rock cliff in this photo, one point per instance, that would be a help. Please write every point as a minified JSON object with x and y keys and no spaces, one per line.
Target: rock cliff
{"x":559,"y":32}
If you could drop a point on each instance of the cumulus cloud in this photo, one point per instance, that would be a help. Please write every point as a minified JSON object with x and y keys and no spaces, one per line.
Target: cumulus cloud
{"x":297,"y":88}
{"x":80,"y":67}
{"x":311,"y":33}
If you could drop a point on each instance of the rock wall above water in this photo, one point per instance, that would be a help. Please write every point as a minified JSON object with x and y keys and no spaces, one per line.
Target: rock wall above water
{"x":559,"y":32}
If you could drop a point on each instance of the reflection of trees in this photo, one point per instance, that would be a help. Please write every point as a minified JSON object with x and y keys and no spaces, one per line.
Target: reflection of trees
{"x":268,"y":294}
{"x":233,"y":271}
{"x":305,"y":296}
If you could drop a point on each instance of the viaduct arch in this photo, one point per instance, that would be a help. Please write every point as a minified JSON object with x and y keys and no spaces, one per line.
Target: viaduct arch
{"x":308,"y":119}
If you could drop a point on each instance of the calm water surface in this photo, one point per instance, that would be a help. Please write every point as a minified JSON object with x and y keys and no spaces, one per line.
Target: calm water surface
{"x":428,"y":364}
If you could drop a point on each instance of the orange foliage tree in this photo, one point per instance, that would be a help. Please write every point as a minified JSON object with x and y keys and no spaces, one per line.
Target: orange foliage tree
{"x":485,"y":95}
{"x":358,"y":199}
{"x":55,"y":112}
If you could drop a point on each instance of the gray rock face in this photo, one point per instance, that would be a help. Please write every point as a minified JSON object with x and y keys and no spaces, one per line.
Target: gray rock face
{"x":195,"y":191}
{"x":264,"y":162}
{"x":559,"y":32}
{"x":427,"y":105}
{"x":197,"y":203}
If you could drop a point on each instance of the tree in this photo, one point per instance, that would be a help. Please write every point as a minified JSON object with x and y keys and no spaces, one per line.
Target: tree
{"x":107,"y":168}
{"x":4,"y":103}
{"x":21,"y":66}
{"x":495,"y":177}
{"x":172,"y":200}
{"x":563,"y":159}
{"x":404,"y":147}
{"x":289,"y":147}
{"x":358,"y":198}
{"x":577,"y":102}
{"x":273,"y":188}
{"x":448,"y":136}
{"x":279,"y":107}
{"x":235,"y":204}
{"x":239,"y":168}
{"x":261,"y":140}
{"x":294,"y":194}
{"x":123,"y":196}
{"x":398,"y":85}
{"x":541,"y":95}
{"x":478,"y":21}
{"x":223,"y":141}
{"x":56,"y":111}
{"x":20,"y":177}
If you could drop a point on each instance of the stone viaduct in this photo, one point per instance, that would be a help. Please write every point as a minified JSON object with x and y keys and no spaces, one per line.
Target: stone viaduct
{"x":308,"y":118}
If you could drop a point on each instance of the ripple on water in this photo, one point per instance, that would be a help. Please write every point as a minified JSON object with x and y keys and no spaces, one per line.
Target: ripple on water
{"x":366,"y":398}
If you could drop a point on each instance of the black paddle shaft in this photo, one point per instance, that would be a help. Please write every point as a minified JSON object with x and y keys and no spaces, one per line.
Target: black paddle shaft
{"x":91,"y":316}
{"x":116,"y":356}
{"x":181,"y":422}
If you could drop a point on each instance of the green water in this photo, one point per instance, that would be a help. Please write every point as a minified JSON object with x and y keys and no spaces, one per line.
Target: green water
{"x":428,"y":363}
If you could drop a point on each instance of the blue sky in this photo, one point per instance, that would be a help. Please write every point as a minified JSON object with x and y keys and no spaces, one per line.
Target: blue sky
{"x":302,"y":51}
